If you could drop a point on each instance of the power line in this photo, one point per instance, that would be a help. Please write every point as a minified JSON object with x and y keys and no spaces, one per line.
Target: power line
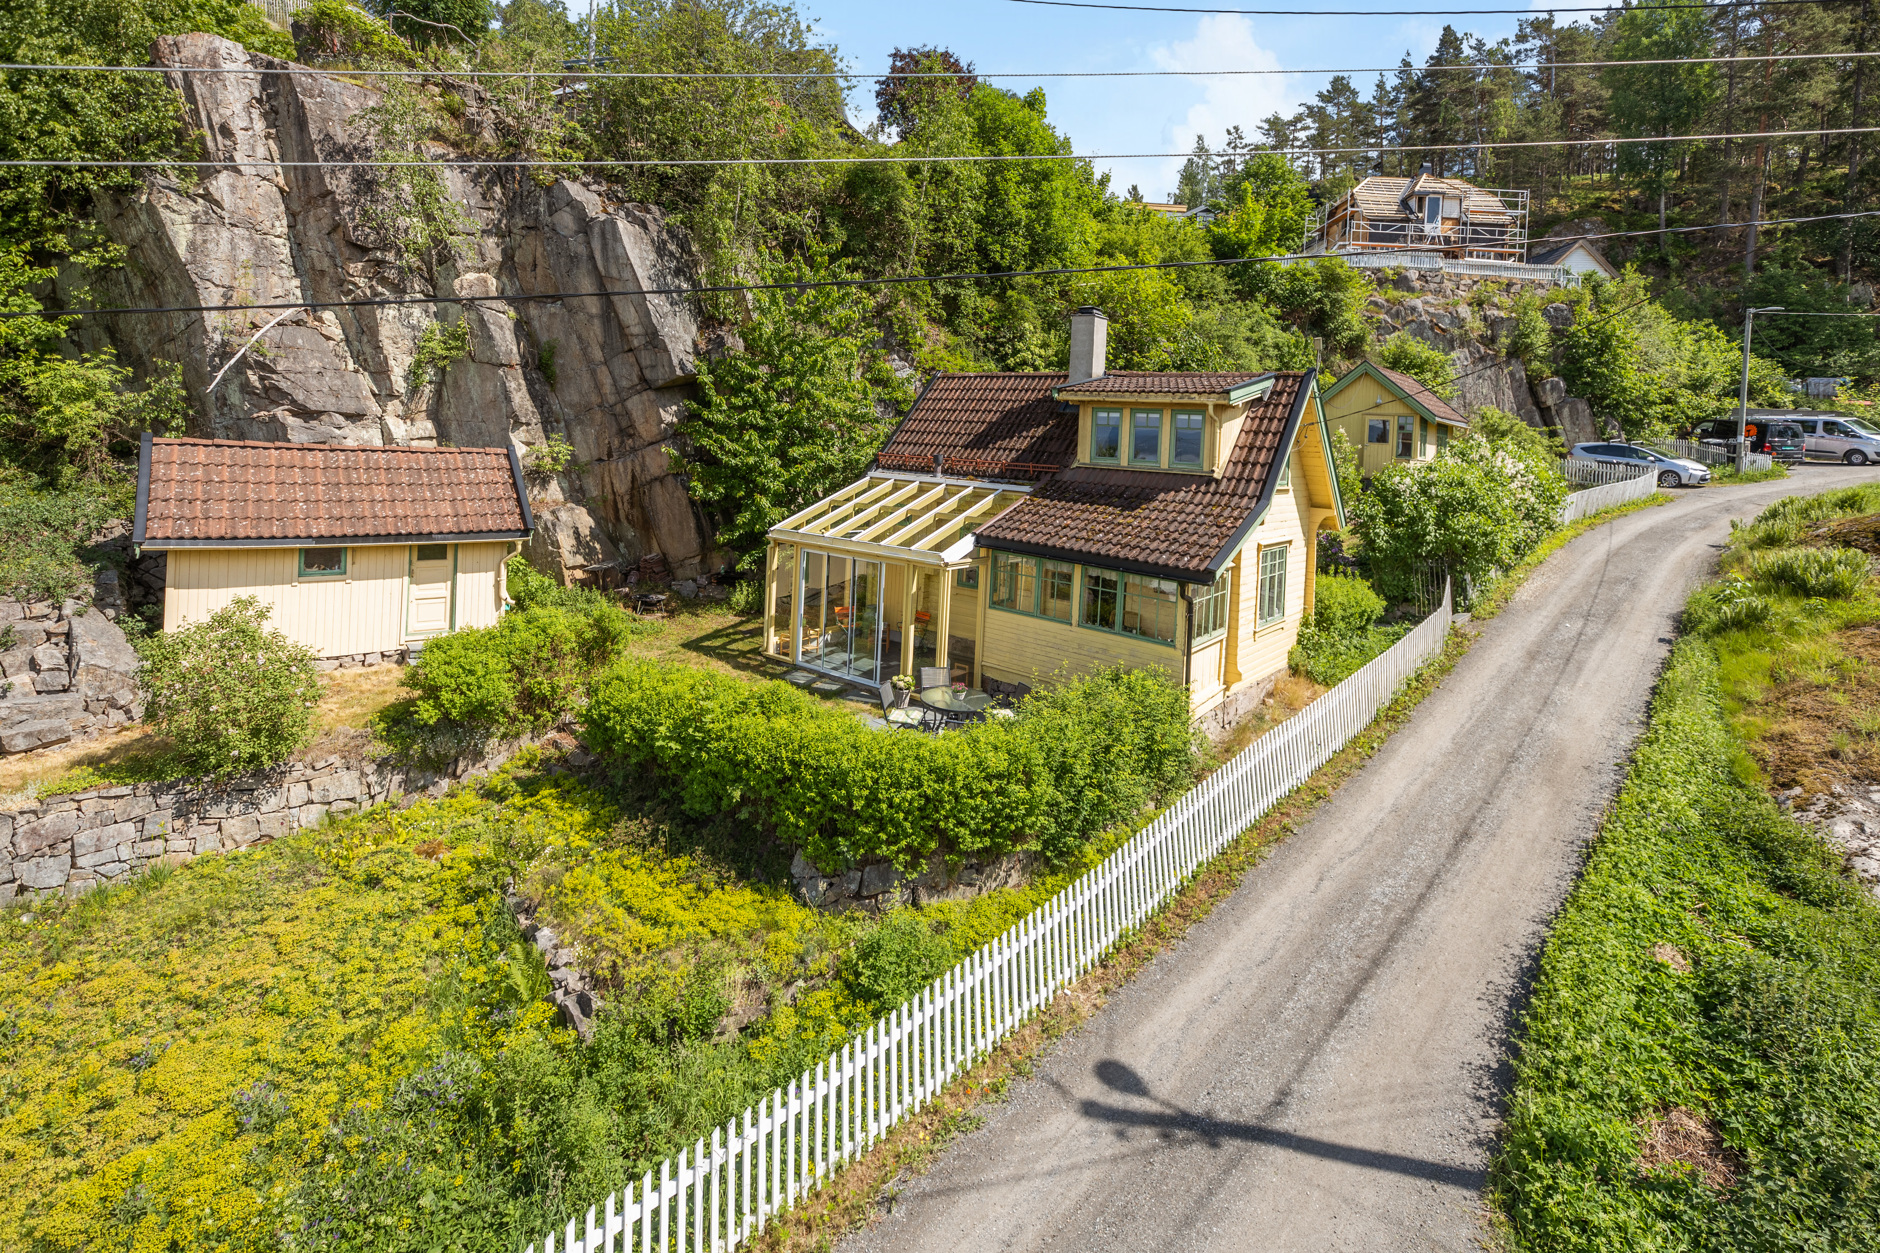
{"x":968,"y":158}
{"x":890,"y":281}
{"x":1529,"y":12}
{"x":917,"y":74}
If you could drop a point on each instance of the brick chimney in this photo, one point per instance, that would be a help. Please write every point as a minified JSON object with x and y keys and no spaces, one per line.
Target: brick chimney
{"x":1090,"y":334}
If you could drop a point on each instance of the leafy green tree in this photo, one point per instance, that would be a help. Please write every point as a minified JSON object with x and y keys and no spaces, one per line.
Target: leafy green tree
{"x":1323,"y":298}
{"x":797,"y":414}
{"x":430,"y":22}
{"x":1812,"y":346}
{"x":1267,"y":206}
{"x":1426,"y":363}
{"x":56,"y":115}
{"x":1658,"y":100}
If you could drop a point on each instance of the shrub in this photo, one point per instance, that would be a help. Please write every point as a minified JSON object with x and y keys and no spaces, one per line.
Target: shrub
{"x":896,"y":959}
{"x":1835,"y":572}
{"x":521,"y":675}
{"x":1730,"y":605}
{"x":1344,"y":605}
{"x":1508,"y":432}
{"x":41,"y":535}
{"x":230,"y":692}
{"x":1082,"y":756}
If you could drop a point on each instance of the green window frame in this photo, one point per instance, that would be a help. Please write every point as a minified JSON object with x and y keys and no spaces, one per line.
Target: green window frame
{"x":1442,"y":436}
{"x":323,"y":559}
{"x":1285,"y":473}
{"x":1273,"y":583}
{"x":1211,"y":607}
{"x":1406,"y":435}
{"x":1131,"y":604}
{"x":967,"y":579}
{"x":1145,"y":437}
{"x":1188,"y":437}
{"x":1037,"y":586}
{"x":1106,"y":434}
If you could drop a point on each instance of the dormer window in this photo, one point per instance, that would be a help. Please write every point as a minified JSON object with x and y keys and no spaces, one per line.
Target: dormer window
{"x":1432,"y":210}
{"x":1145,"y":437}
{"x":1106,"y":434}
{"x":1189,"y":438}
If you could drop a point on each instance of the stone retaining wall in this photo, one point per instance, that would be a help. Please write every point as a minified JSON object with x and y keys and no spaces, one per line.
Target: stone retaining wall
{"x":71,"y":844}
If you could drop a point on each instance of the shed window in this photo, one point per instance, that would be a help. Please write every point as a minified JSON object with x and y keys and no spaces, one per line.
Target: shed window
{"x":1190,"y":429}
{"x":432,"y":552}
{"x":1211,"y":607}
{"x":321,"y":562}
{"x":1272,"y":584}
{"x":1106,"y":434}
{"x":1379,"y":432}
{"x":1406,"y":435}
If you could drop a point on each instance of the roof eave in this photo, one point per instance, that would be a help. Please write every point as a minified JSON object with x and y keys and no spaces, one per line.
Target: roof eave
{"x":1307,"y":387}
{"x":161,"y":544}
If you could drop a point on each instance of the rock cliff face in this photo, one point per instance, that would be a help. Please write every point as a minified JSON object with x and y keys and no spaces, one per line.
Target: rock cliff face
{"x":608,"y":374}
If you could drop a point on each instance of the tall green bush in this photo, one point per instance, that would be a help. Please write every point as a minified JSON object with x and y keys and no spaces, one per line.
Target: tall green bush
{"x":521,"y":675}
{"x":1081,"y":757}
{"x":232,"y":693}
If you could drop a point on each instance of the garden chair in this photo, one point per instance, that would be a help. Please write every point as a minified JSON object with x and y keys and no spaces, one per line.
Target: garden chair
{"x":897,"y":717}
{"x":934,"y":676}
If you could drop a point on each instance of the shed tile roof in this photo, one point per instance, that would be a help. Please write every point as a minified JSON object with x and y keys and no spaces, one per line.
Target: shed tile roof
{"x":1438,"y":407}
{"x":1142,"y":382}
{"x":1154,"y":522}
{"x":986,"y":425}
{"x":203,"y":491}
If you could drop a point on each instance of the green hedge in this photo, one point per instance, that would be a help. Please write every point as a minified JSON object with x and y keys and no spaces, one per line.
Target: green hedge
{"x":1773,"y":1034}
{"x":1081,"y":757}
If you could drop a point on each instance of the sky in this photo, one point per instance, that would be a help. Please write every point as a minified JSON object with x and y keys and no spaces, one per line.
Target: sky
{"x":1144,"y":114}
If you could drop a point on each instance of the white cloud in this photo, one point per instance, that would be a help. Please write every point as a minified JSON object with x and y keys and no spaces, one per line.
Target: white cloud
{"x":1222,"y":41}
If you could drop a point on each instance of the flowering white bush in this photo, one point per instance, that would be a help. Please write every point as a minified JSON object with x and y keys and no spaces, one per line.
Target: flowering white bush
{"x":231,"y":693}
{"x":1477,"y":508}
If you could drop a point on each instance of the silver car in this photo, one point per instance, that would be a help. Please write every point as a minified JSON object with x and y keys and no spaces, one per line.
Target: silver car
{"x":1853,"y":440}
{"x":1671,"y":471}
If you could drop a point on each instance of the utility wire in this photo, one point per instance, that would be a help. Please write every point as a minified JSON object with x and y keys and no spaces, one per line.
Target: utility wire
{"x":891,"y":281}
{"x":1529,"y":12}
{"x":914,"y":74}
{"x":506,"y":164}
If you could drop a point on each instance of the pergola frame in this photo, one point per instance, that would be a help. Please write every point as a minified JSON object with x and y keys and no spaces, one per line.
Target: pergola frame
{"x":920,"y":522}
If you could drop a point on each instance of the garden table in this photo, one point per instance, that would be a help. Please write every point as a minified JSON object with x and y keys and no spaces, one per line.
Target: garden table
{"x":955,"y":707}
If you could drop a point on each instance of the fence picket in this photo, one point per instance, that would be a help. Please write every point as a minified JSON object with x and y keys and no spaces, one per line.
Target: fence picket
{"x":795,"y":1137}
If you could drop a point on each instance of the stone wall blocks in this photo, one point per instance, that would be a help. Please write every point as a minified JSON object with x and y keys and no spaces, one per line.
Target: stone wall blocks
{"x":310,"y":815}
{"x":39,"y":836}
{"x":343,"y":785}
{"x":240,"y":830}
{"x":131,"y":807}
{"x":147,"y":848}
{"x":274,"y":825}
{"x":89,"y":842}
{"x":103,"y":857}
{"x":43,"y":873}
{"x":296,"y":795}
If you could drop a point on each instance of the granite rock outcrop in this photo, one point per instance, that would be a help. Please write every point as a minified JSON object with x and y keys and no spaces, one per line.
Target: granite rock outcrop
{"x":261,"y":223}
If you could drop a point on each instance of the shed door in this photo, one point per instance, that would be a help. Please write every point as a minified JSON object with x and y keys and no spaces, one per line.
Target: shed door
{"x":430,"y":588}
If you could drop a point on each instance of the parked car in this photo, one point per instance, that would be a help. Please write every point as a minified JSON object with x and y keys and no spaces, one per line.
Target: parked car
{"x":1853,"y":440}
{"x":1783,"y":440}
{"x":1671,"y":471}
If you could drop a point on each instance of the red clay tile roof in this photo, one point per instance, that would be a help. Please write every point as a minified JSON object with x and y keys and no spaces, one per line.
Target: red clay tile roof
{"x":204,"y":491}
{"x":986,"y":425}
{"x":1151,"y":522}
{"x":1143,"y":382}
{"x":1438,"y":407}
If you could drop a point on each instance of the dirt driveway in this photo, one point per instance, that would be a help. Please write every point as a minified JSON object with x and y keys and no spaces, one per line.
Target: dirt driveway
{"x":1320,"y":1065}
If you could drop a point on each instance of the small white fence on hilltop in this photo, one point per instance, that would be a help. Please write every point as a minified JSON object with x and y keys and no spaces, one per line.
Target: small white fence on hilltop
{"x":1615,"y":485}
{"x":280,"y":12}
{"x":717,"y":1195}
{"x":1714,"y":454}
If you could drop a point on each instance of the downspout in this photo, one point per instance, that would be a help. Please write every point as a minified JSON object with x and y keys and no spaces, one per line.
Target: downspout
{"x":1188,"y":638}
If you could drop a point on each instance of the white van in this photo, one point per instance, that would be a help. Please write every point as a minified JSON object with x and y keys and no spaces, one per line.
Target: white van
{"x":1853,"y":440}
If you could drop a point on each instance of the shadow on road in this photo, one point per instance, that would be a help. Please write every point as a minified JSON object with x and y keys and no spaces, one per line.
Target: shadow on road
{"x":1172,"y":1121}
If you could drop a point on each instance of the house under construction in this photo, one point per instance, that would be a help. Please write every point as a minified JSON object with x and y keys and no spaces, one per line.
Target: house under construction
{"x":1424,"y":214}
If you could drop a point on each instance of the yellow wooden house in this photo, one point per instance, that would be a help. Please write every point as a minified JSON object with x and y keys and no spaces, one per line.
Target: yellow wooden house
{"x":1389,"y":417}
{"x":359,"y":553}
{"x":1019,"y":527}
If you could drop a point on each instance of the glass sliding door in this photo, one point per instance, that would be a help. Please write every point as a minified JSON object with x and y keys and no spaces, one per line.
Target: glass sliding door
{"x":840,"y":626}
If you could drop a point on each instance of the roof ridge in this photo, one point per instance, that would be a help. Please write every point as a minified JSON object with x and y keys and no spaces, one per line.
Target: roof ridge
{"x":198,"y":440}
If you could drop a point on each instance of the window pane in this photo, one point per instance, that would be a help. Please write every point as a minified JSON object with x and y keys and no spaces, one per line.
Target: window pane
{"x":1149,"y":607}
{"x":1145,"y":436}
{"x":1005,"y":580}
{"x":1211,"y":604}
{"x":433,"y":552}
{"x":1056,"y":587}
{"x":1106,"y":434}
{"x":1100,"y":594}
{"x":324,"y":560}
{"x":1272,"y":584}
{"x":1027,"y":596}
{"x":1406,"y":435}
{"x":1380,"y":431}
{"x":967,"y":578}
{"x":1189,"y":429}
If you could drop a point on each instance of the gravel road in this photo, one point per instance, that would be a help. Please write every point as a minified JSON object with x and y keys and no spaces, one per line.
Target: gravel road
{"x":1320,"y":1064}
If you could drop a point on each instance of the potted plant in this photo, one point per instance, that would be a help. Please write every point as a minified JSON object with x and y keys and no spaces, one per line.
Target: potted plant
{"x":903,"y":688}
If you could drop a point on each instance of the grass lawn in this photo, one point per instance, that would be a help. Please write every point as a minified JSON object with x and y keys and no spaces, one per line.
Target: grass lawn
{"x":1699,"y":1066}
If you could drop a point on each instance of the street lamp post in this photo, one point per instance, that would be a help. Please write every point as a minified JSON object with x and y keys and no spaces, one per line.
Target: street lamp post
{"x":1742,"y":395}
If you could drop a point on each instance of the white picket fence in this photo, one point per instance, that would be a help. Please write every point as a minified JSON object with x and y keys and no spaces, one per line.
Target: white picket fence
{"x":717,"y":1195}
{"x":1612,"y":490}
